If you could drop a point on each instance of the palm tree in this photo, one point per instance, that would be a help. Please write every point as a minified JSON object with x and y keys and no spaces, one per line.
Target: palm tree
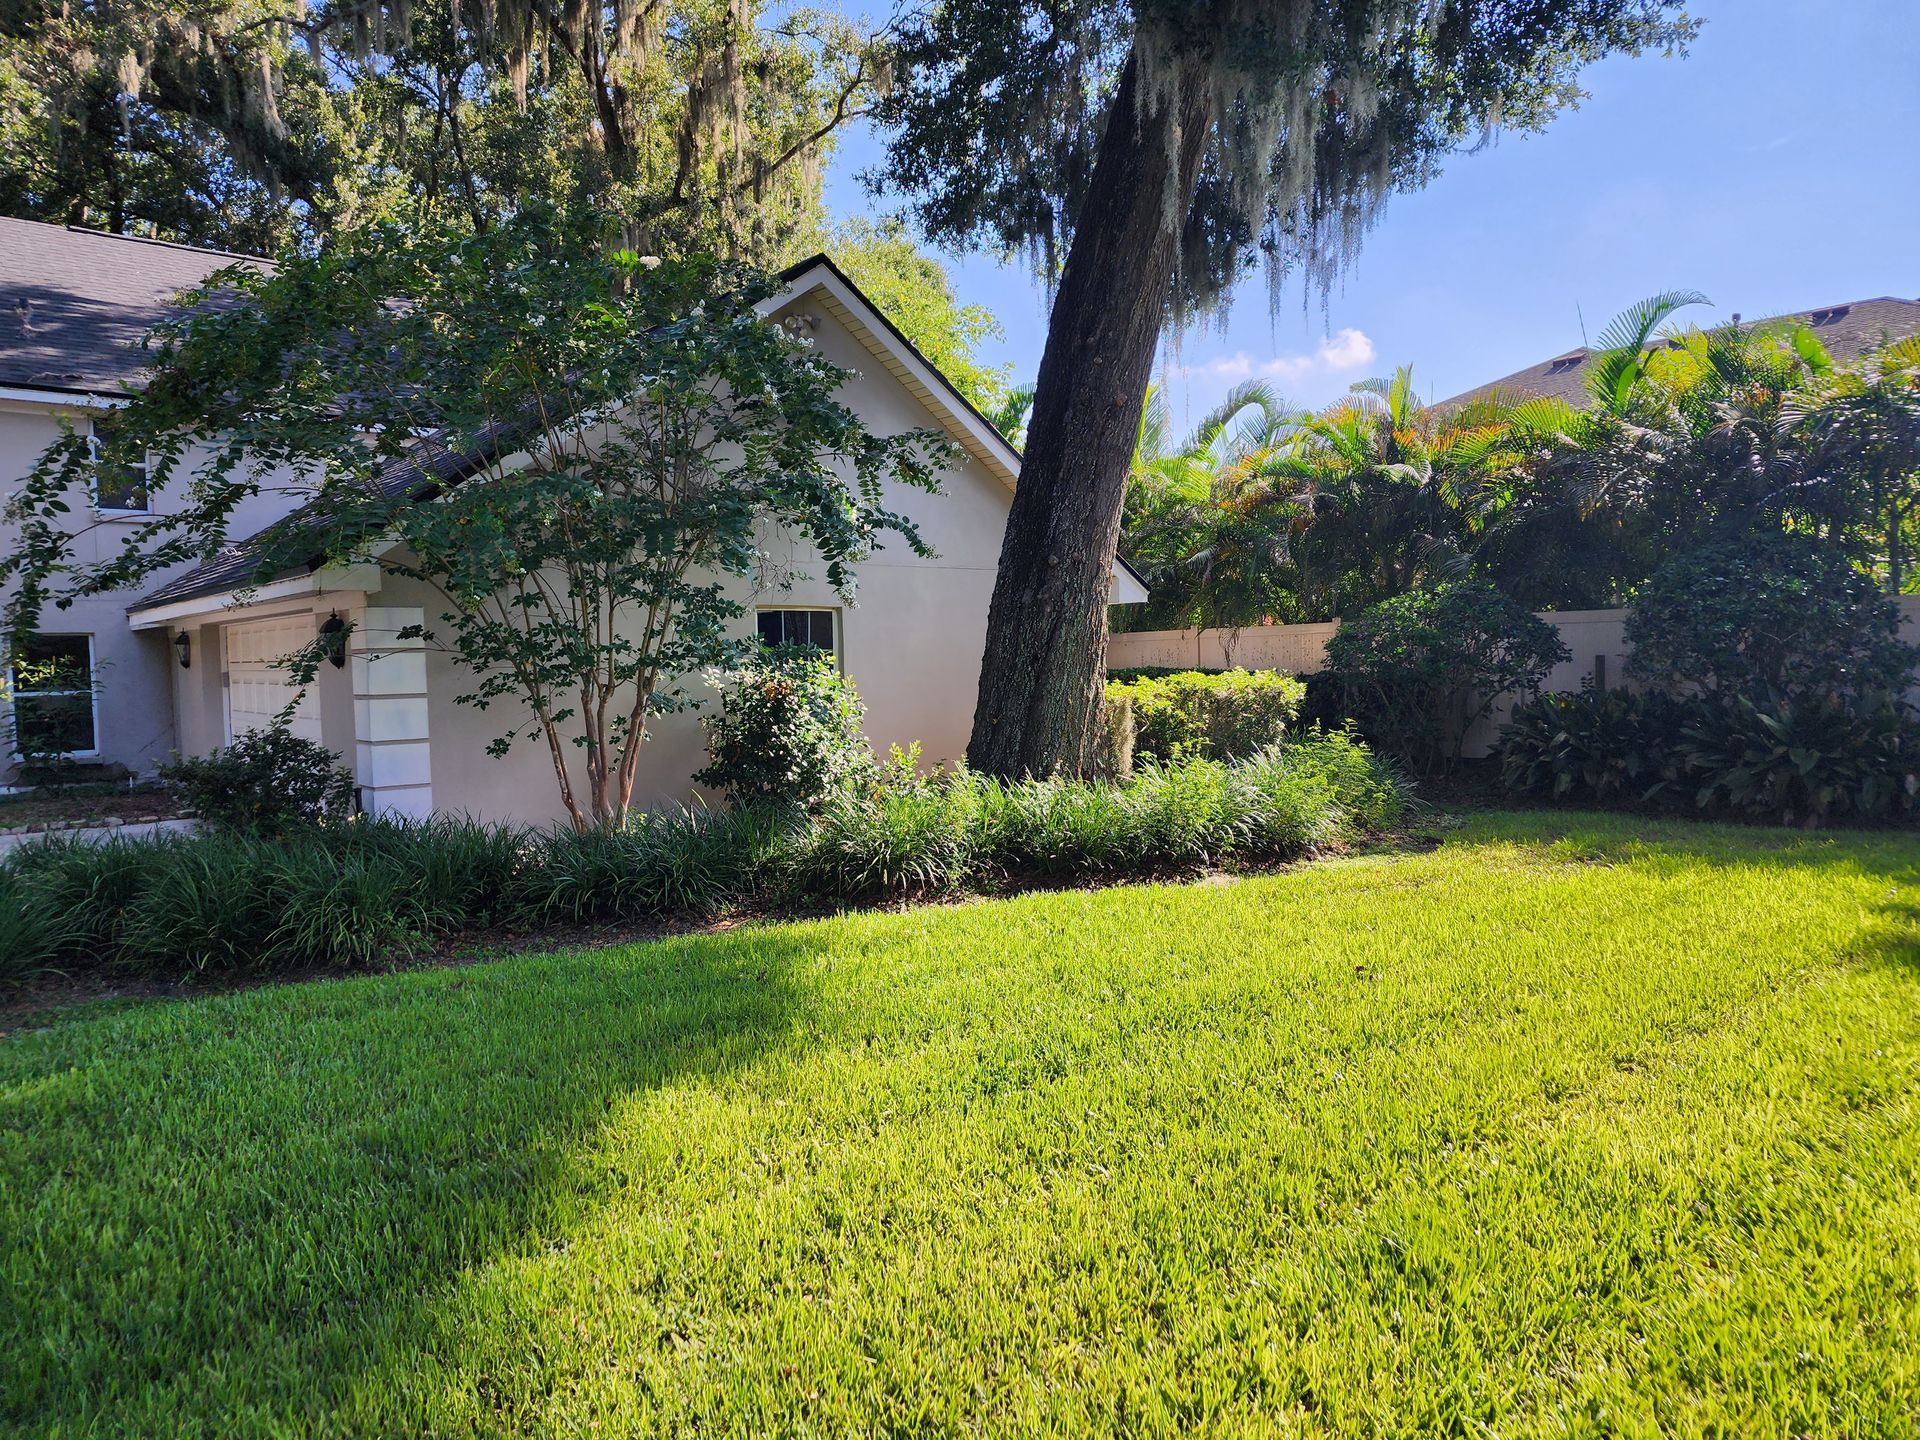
{"x":1381,"y":478}
{"x":1200,"y":519}
{"x":1861,"y":427}
{"x":1687,"y":436}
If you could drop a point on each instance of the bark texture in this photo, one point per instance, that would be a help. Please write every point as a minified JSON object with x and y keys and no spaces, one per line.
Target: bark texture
{"x":1040,"y":705}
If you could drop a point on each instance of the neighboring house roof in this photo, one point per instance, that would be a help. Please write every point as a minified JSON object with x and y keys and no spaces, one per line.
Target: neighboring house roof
{"x":75,"y":303}
{"x":1848,"y":331}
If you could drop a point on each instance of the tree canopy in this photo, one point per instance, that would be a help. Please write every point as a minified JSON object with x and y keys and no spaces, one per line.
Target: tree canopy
{"x":1313,"y":114}
{"x":246,"y":123}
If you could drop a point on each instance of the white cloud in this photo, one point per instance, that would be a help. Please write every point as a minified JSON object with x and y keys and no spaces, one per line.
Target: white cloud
{"x":1336,"y":354}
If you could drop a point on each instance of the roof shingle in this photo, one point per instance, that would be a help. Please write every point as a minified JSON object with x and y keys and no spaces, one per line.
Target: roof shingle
{"x":74,"y":303}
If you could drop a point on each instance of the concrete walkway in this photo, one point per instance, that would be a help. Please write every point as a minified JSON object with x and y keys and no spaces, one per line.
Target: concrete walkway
{"x":104,"y":832}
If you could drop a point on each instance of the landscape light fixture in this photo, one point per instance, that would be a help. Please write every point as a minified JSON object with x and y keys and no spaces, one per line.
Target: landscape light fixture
{"x":334,"y":630}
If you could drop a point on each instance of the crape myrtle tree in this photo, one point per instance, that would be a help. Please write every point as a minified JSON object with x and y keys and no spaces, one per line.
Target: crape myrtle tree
{"x":573,"y":446}
{"x":1148,"y":154}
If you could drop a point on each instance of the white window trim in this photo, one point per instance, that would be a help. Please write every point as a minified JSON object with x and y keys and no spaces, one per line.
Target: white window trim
{"x":107,"y":512}
{"x":92,"y":693}
{"x":839,"y":636}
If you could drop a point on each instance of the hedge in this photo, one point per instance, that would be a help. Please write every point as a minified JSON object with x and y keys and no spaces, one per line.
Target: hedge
{"x":368,"y":893}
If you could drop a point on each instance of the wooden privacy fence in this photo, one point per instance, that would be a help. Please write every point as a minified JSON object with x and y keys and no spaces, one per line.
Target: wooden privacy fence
{"x":1596,"y":638}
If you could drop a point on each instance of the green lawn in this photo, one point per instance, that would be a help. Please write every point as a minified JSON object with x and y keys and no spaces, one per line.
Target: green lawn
{"x":1551,"y":1131}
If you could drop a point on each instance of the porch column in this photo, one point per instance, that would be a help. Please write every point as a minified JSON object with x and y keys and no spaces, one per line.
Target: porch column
{"x":391,"y":753}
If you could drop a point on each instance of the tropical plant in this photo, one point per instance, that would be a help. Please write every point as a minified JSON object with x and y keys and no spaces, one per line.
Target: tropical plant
{"x":1203,"y":521}
{"x":1862,"y":426}
{"x":1381,"y":479}
{"x":1809,"y":760}
{"x":1607,"y":747}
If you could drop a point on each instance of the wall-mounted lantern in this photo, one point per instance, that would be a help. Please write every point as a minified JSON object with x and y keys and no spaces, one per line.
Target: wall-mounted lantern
{"x":183,"y":647}
{"x":333,"y":633}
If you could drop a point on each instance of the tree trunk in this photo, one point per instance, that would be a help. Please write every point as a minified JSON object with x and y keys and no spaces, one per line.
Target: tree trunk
{"x":1040,"y":702}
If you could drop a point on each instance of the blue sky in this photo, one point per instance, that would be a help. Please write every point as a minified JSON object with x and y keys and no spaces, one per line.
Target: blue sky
{"x":1774,"y":169}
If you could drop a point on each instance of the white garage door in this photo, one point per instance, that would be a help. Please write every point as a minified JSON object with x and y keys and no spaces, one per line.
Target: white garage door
{"x":257,"y":688}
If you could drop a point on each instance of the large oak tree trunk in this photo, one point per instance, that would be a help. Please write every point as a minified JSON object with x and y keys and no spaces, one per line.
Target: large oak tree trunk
{"x":1040,"y":702}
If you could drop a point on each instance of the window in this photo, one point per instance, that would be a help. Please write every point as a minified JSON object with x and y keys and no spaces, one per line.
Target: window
{"x":121,"y":490}
{"x":798,"y":627}
{"x":50,"y":681}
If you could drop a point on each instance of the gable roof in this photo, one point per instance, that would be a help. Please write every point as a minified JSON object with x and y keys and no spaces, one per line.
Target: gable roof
{"x":74,"y":303}
{"x":433,"y":467}
{"x":1848,"y":331}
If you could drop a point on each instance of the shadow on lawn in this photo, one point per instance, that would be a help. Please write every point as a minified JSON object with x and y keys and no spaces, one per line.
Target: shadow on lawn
{"x":246,"y":1208}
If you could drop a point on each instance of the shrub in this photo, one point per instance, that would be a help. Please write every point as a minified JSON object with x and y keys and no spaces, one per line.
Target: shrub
{"x":924,"y":836}
{"x":35,"y":934}
{"x":1804,"y":761}
{"x":233,"y":903}
{"x":1224,"y":715}
{"x":958,"y":829}
{"x":1127,"y":674}
{"x":1607,"y":746}
{"x":787,"y":731}
{"x":206,"y":905}
{"x":349,"y":908}
{"x":1807,"y":760}
{"x":92,"y":885}
{"x":267,"y":782}
{"x":1417,"y":671}
{"x":695,"y":861}
{"x":461,"y":873}
{"x":1772,"y":617}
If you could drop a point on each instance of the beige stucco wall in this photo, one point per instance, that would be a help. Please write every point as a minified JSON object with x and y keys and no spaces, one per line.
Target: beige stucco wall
{"x":1596,"y":638}
{"x":910,"y":639}
{"x":137,"y":678}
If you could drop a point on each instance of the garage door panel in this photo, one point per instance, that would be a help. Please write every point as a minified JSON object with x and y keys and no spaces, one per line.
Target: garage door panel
{"x":258,"y":686}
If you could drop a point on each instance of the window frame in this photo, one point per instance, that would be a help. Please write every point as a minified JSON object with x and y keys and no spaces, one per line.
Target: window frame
{"x":832,"y":612}
{"x":115,"y":512}
{"x":92,"y":692}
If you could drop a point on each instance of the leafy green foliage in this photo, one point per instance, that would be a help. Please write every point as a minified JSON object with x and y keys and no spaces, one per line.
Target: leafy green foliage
{"x":787,"y":731}
{"x":267,"y":782}
{"x":375,"y":892}
{"x":1605,"y":747}
{"x":256,"y":123}
{"x":1417,"y":671}
{"x":1228,"y":715}
{"x":525,"y":1197}
{"x":1687,"y":436}
{"x":1770,"y":617}
{"x":34,"y":931}
{"x":912,"y":289}
{"x":998,"y":109}
{"x":603,"y":441}
{"x":1811,"y":760}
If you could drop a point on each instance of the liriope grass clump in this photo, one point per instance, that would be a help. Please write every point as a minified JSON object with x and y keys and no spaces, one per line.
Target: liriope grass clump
{"x":957,"y":830}
{"x":369,"y":893}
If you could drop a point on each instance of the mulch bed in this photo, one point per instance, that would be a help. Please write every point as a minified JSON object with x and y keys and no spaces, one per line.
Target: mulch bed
{"x":65,"y":810}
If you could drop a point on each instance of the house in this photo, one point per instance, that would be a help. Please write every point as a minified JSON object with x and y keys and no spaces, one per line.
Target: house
{"x":191,"y":663}
{"x":1848,"y":331}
